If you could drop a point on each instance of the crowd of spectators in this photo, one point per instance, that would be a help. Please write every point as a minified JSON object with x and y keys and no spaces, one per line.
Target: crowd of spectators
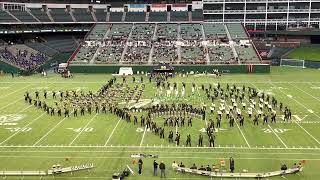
{"x":23,"y":59}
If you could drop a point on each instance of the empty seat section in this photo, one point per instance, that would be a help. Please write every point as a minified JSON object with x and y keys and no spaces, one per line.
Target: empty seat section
{"x":158,"y":16}
{"x":197,"y":15}
{"x":101,"y":15}
{"x":179,"y":16}
{"x":115,"y":16}
{"x":60,"y":15}
{"x":5,"y":17}
{"x":23,"y":16}
{"x":135,"y":16}
{"x":40,"y":14}
{"x":82,"y":15}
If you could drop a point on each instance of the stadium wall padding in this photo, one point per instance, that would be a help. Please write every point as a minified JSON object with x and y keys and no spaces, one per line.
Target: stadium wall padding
{"x":312,"y":64}
{"x":56,"y":60}
{"x":7,"y":68}
{"x":240,"y":68}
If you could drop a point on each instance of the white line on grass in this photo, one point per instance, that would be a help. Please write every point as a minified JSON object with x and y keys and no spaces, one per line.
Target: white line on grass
{"x":82,"y":130}
{"x":306,"y":109}
{"x":61,"y":121}
{"x":162,"y":147}
{"x":244,"y":137}
{"x":114,"y":129}
{"x":268,"y":124}
{"x":22,"y":128}
{"x":307,"y":132}
{"x":306,"y":92}
{"x":144,"y":133}
{"x":15,"y":91}
{"x":3,"y":107}
{"x":277,"y":136}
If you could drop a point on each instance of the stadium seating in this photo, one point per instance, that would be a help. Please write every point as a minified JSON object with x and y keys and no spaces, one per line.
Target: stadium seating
{"x":98,"y":31}
{"x":60,"y":15}
{"x":109,"y":54}
{"x":23,"y":16}
{"x":115,"y":16}
{"x":82,"y":15}
{"x":143,"y":31}
{"x":191,"y":31}
{"x":22,"y":56}
{"x":101,"y":15}
{"x":135,"y":17}
{"x":192,"y":55}
{"x":5,"y":17}
{"x":85,"y":54}
{"x":61,"y":43}
{"x":236,"y":31}
{"x":158,"y":16}
{"x":220,"y":54}
{"x":212,"y":31}
{"x":137,"y":55}
{"x":167,"y":31}
{"x":120,"y":31}
{"x":179,"y":16}
{"x":40,"y":14}
{"x":246,"y":54}
{"x":197,"y":15}
{"x":166,"y":54}
{"x":43,"y":48}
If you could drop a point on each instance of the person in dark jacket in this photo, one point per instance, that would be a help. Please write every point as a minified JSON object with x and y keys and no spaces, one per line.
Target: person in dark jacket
{"x":155,"y":168}
{"x":140,"y":163}
{"x":162,"y":168}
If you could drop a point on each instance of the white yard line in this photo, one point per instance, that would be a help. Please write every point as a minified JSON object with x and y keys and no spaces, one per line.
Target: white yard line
{"x":3,"y":107}
{"x":165,"y":147}
{"x":54,"y":127}
{"x":23,"y":128}
{"x":307,"y":132}
{"x":82,"y":130}
{"x":269,"y":124}
{"x":306,"y":92}
{"x":144,"y":133}
{"x":15,"y":91}
{"x":114,"y":129}
{"x":244,"y":137}
{"x":296,"y":122}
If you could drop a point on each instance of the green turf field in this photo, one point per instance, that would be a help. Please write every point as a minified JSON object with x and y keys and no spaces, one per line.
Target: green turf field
{"x":305,"y":53}
{"x":36,"y":141}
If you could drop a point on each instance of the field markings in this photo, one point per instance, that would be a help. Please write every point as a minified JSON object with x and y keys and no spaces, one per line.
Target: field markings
{"x":3,"y":107}
{"x":244,"y":137}
{"x":83,"y":129}
{"x":1,"y":97}
{"x":44,"y":136}
{"x":306,"y":92}
{"x":279,"y":138}
{"x":144,"y":133}
{"x":114,"y":129}
{"x":165,"y":147}
{"x":296,"y":121}
{"x":23,"y":127}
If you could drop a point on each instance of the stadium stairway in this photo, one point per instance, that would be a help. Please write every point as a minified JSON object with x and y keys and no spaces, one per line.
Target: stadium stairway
{"x":125,"y":49}
{"x":147,"y":16}
{"x":168,"y":16}
{"x":14,"y":17}
{"x":235,"y":54}
{"x":93,"y":15}
{"x":108,"y":17}
{"x":205,"y":46}
{"x":49,"y":15}
{"x":152,"y":47}
{"x":72,"y":16}
{"x":29,"y":12}
{"x":123,"y":18}
{"x":92,"y":61}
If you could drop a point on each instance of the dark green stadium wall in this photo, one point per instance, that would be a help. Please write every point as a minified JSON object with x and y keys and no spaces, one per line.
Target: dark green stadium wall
{"x":7,"y":68}
{"x":259,"y":68}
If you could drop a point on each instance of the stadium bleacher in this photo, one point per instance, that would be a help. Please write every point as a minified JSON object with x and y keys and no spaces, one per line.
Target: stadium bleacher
{"x":60,"y":15}
{"x":101,"y":15}
{"x":179,"y":16}
{"x":43,"y":48}
{"x":135,"y":17}
{"x":115,"y":16}
{"x":109,"y":55}
{"x":5,"y":17}
{"x":192,"y":55}
{"x":40,"y":14}
{"x":82,"y":15}
{"x":143,"y":31}
{"x":191,"y":31}
{"x":236,"y":31}
{"x":158,"y":16}
{"x":98,"y":31}
{"x":165,"y":54}
{"x":120,"y":31}
{"x":213,"y":31}
{"x":167,"y":31}
{"x":197,"y":15}
{"x":23,"y":16}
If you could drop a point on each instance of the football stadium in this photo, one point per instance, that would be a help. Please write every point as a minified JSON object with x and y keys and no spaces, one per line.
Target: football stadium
{"x":160,"y":89}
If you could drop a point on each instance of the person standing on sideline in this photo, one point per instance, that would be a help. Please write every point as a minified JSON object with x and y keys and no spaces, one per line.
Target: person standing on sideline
{"x":162,"y":168}
{"x":155,"y":168}
{"x":231,"y":165}
{"x":140,"y":163}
